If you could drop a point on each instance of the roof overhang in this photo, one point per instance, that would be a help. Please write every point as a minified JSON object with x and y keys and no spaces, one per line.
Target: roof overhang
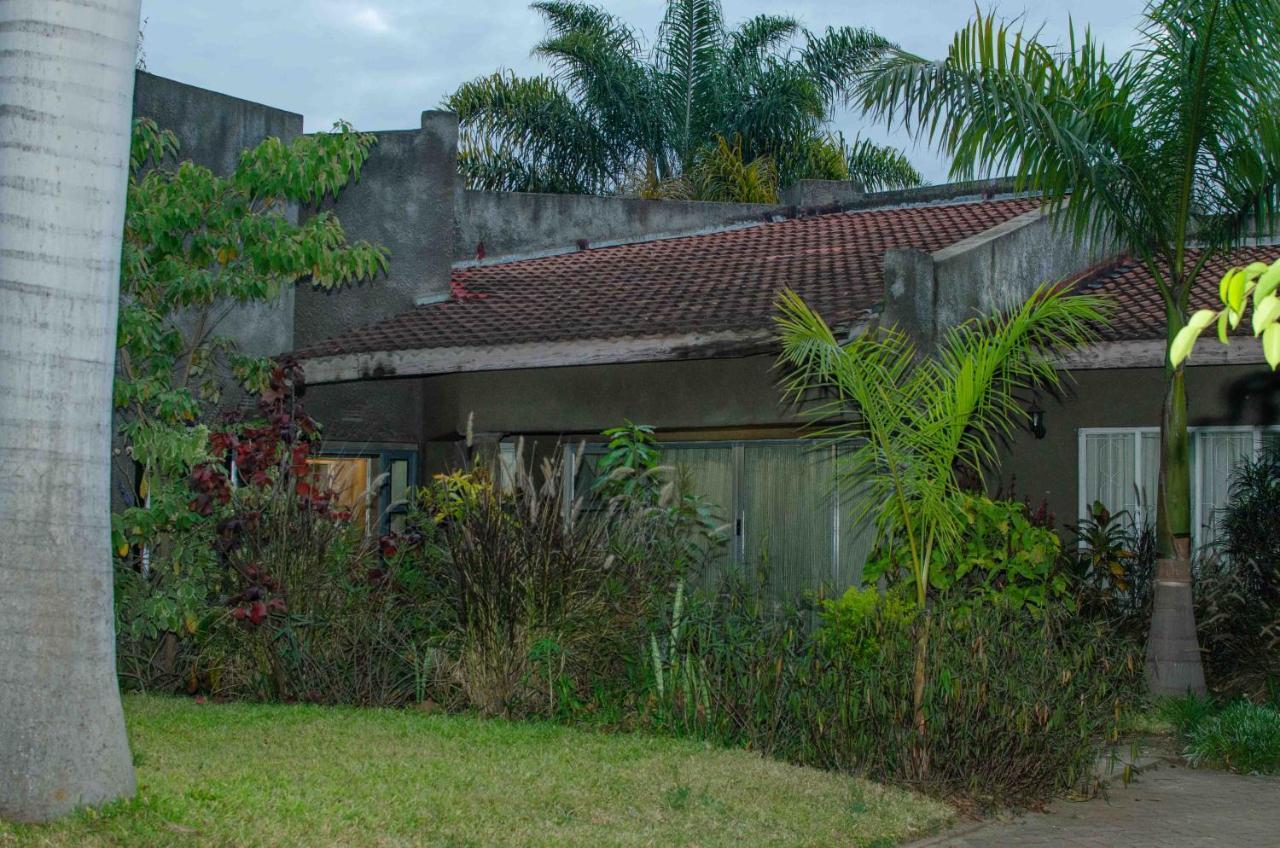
{"x":1150,"y":353}
{"x":377,"y":365}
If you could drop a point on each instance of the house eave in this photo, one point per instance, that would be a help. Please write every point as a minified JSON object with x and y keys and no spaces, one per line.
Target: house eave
{"x":1150,"y":353}
{"x":377,"y":365}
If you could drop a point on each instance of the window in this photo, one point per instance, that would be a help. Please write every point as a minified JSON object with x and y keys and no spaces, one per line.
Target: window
{"x":353,"y":474}
{"x":779,"y":502}
{"x":1120,"y":468}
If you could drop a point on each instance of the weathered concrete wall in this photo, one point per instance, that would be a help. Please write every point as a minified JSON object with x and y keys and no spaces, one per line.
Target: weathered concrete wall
{"x":1130,"y":397}
{"x":519,"y":224}
{"x":212,"y":130}
{"x":711,"y":393}
{"x":822,"y":193}
{"x":996,"y":270}
{"x":404,"y":201}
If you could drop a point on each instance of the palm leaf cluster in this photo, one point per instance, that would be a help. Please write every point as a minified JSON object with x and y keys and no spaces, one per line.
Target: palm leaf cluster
{"x":1174,"y":144}
{"x":919,"y":424}
{"x":622,"y":116}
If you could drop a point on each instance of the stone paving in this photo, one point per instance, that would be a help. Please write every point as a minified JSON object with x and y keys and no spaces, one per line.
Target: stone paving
{"x":1170,"y":807}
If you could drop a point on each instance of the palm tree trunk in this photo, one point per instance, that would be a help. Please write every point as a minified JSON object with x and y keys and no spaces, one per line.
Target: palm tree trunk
{"x":65,"y":108}
{"x":1173,"y":652}
{"x":920,"y":756}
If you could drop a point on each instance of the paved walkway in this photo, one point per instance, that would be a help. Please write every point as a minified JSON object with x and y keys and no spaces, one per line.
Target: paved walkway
{"x":1170,"y":807}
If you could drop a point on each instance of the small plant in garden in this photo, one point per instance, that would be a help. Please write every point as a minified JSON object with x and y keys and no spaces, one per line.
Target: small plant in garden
{"x":1001,"y":557}
{"x":917,"y":423}
{"x":1238,"y":602}
{"x":1240,"y":736}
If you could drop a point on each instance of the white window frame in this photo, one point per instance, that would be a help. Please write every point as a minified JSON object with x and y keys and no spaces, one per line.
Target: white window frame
{"x":1197,"y":470}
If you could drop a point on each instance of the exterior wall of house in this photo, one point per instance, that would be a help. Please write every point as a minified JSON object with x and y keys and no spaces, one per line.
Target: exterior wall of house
{"x":520,"y":224}
{"x":695,"y":399}
{"x":212,"y":129}
{"x":404,"y":202}
{"x":1227,"y":395}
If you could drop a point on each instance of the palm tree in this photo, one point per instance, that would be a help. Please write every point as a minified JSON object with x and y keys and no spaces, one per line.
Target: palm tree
{"x":1174,"y":145}
{"x":618,"y":116}
{"x":920,"y":423}
{"x":64,"y":152}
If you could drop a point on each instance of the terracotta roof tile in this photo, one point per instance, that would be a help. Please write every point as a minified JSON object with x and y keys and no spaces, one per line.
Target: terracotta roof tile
{"x":1139,"y":314}
{"x":714,"y":282}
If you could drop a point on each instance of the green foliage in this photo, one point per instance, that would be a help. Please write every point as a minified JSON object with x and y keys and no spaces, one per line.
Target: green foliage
{"x":1017,"y":704}
{"x":1177,"y":140}
{"x":849,"y":622}
{"x":1001,"y":557}
{"x":1241,"y":736}
{"x":917,"y":423}
{"x":534,"y":603}
{"x":195,"y":246}
{"x":1112,"y":564}
{"x":1257,"y":279}
{"x":620,"y":115}
{"x":628,"y":465}
{"x":1238,"y":586}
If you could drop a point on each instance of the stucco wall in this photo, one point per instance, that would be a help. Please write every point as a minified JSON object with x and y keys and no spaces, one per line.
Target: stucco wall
{"x":510,"y":223}
{"x":996,"y":270}
{"x":1217,"y":396}
{"x":404,"y":202}
{"x":212,"y":130}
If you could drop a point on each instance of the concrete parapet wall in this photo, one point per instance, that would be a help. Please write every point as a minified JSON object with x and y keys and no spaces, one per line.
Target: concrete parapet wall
{"x":404,"y":201}
{"x":212,"y":130}
{"x":518,"y":224}
{"x":994,"y":271}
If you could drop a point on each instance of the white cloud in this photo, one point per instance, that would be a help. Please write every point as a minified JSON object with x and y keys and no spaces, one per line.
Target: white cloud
{"x":370,"y":18}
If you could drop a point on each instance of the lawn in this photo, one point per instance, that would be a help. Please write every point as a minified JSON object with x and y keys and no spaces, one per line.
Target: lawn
{"x":236,"y":774}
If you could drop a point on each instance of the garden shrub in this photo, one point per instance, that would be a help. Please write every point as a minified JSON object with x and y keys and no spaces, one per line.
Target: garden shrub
{"x":1002,"y":556}
{"x":1017,"y":701}
{"x":545,"y":601}
{"x":289,"y":601}
{"x":1240,"y":736}
{"x":1238,"y":586}
{"x":1111,"y":563}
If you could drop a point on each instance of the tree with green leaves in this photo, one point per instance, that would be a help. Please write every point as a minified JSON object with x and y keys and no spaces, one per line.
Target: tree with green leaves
{"x":920,"y":424}
{"x":1171,"y":151}
{"x":196,"y":246}
{"x":619,"y":116}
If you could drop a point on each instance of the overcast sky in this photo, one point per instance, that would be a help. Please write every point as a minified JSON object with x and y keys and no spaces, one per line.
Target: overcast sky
{"x":379,"y":63}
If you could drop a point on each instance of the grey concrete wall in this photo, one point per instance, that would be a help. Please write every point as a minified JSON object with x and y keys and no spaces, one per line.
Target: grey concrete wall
{"x":404,"y":201}
{"x":1220,"y":395}
{"x":822,"y":193}
{"x":517,"y":224}
{"x":212,"y":130}
{"x":994,"y":271}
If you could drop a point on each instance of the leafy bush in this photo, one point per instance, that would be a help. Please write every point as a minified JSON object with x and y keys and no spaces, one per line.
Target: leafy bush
{"x":291,"y":602}
{"x":1238,"y":590}
{"x":1016,"y":703}
{"x":543,"y":601}
{"x":1112,"y":564}
{"x":1241,"y":736}
{"x":1000,"y":556}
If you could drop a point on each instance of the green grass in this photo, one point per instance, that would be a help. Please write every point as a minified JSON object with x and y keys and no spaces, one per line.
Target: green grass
{"x":1240,"y":736}
{"x":267,"y":775}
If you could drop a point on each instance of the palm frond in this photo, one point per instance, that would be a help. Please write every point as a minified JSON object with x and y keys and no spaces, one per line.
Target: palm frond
{"x":913,"y":421}
{"x":689,"y":50}
{"x":880,"y":167}
{"x":840,"y":55}
{"x":529,"y":126}
{"x":755,"y":38}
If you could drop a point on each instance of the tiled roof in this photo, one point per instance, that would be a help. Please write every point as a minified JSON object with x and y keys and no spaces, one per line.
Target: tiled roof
{"x":1139,"y":313}
{"x":714,"y":282}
